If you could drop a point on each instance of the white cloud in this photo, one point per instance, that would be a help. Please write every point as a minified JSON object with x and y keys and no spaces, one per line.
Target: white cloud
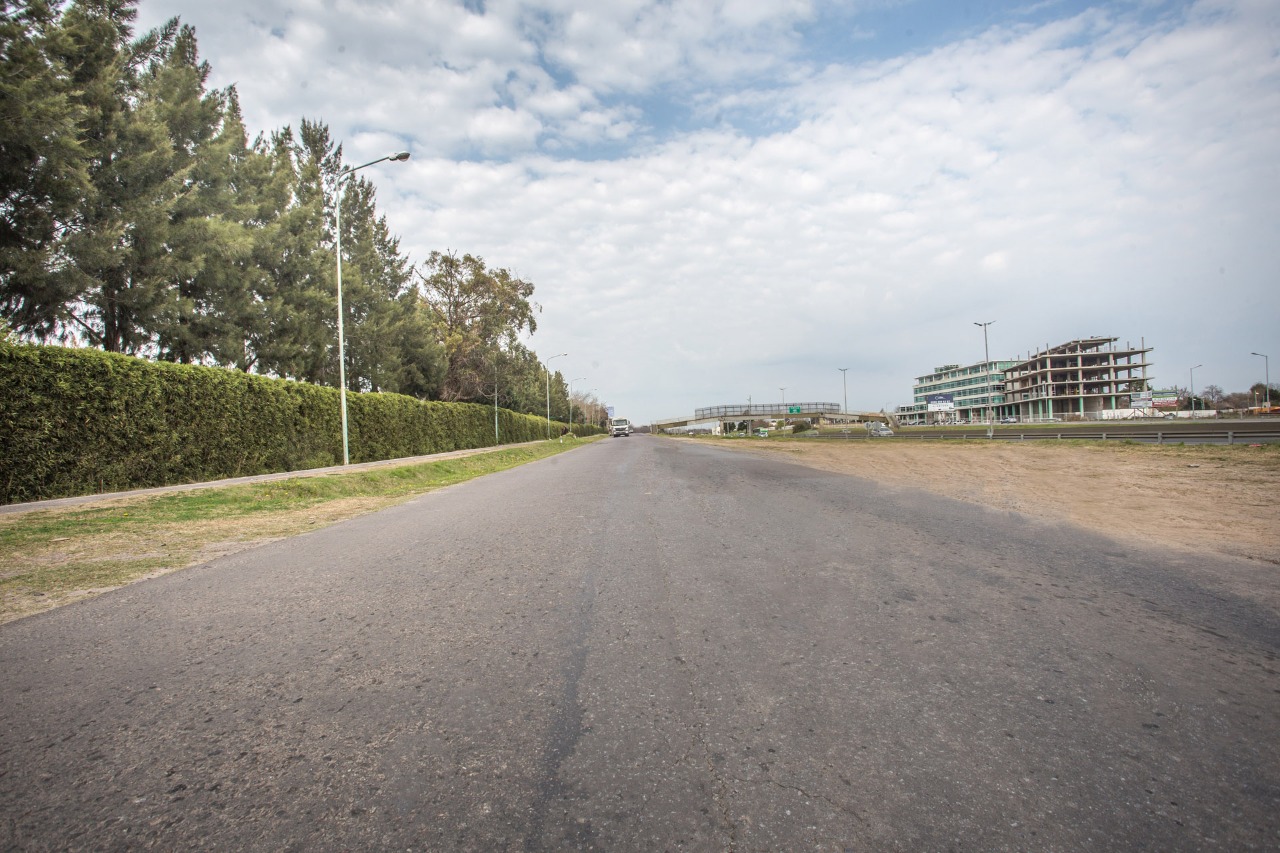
{"x":1093,"y":175}
{"x":502,"y":129}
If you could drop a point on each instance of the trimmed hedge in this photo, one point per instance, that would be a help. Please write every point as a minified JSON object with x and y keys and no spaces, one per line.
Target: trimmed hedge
{"x":76,"y":422}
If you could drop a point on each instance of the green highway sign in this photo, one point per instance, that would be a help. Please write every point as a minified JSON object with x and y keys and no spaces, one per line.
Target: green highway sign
{"x":793,"y":410}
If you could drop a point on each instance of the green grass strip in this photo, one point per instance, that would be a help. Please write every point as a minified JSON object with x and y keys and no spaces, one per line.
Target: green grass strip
{"x":49,"y":557}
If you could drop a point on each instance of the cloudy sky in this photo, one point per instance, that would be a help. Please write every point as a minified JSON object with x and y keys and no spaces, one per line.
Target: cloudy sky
{"x":717,"y":199}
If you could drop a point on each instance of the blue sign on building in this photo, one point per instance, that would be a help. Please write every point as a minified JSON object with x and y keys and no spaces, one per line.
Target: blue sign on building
{"x":941,"y":402}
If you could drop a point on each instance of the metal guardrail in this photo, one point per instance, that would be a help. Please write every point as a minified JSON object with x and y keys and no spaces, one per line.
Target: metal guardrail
{"x":1158,"y":437}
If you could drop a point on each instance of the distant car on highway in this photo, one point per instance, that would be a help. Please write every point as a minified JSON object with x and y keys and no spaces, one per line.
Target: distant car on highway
{"x":878,"y":430}
{"x":1010,"y":420}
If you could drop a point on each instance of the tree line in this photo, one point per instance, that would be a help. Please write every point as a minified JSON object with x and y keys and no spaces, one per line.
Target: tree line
{"x":137,"y":216}
{"x":1213,"y":397}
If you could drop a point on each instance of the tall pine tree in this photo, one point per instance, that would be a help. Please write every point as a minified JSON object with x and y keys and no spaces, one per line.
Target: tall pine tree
{"x":389,"y":337}
{"x":43,"y":164}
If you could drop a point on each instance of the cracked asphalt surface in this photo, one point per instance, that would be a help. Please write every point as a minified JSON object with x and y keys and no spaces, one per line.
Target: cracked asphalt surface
{"x":649,"y":644}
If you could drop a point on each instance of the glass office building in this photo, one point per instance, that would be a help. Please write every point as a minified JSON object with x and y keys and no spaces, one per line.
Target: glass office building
{"x":954,"y":393}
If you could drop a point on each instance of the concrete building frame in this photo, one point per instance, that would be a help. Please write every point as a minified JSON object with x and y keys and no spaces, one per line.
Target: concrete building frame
{"x":1080,"y":378}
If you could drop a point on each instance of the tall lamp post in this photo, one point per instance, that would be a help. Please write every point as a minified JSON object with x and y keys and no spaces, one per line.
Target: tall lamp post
{"x":548,"y":369}
{"x":1193,"y":391}
{"x":784,"y":407}
{"x":844,"y":379}
{"x":571,"y":381}
{"x":1266,"y":364}
{"x":986,"y":368}
{"x":399,"y":157}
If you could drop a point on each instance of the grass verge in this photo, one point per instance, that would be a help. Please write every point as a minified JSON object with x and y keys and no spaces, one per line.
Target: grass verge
{"x":53,"y":557}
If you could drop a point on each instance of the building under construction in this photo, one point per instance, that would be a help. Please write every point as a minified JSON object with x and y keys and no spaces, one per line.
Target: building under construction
{"x":1077,"y":379}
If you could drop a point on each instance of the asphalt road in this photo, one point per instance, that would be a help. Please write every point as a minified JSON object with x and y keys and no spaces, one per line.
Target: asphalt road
{"x":650,"y":644}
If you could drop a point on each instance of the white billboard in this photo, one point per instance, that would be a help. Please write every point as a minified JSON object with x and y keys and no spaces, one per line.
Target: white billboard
{"x":941,"y":403}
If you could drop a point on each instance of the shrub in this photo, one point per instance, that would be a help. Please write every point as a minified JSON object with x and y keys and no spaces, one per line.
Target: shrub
{"x":83,"y":421}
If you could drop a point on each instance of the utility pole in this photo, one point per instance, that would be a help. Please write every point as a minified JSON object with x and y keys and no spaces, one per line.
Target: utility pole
{"x":1193,"y":391}
{"x":547,"y":366}
{"x":1266,"y":363}
{"x":986,"y":368}
{"x":398,"y":157}
{"x":844,"y":377}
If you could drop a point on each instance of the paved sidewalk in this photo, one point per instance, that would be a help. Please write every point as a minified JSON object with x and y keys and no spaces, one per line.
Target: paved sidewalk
{"x":9,"y":509}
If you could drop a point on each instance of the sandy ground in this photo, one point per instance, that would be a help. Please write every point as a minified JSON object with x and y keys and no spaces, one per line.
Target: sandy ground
{"x":1221,"y":500}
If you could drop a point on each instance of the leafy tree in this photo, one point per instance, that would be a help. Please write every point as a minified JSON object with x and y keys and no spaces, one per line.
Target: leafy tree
{"x":479,"y":311}
{"x":525,"y":382}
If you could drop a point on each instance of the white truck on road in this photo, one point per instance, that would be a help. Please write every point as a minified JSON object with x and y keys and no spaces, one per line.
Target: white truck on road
{"x":619,"y":427}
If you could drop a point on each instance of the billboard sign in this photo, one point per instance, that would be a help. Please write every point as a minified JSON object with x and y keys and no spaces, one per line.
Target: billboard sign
{"x":1164,"y":399}
{"x":941,"y":402}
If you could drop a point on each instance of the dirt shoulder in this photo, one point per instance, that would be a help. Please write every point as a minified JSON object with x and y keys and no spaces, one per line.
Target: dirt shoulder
{"x":1205,"y":498}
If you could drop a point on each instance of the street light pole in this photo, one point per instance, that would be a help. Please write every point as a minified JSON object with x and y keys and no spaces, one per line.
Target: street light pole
{"x":986,"y":369}
{"x":1266,"y":363}
{"x":1193,"y":391}
{"x":784,"y":406}
{"x":844,"y":379}
{"x":547,"y":367}
{"x":399,"y":157}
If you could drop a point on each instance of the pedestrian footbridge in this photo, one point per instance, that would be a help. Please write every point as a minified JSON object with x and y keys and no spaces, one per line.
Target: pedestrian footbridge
{"x":766,"y":411}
